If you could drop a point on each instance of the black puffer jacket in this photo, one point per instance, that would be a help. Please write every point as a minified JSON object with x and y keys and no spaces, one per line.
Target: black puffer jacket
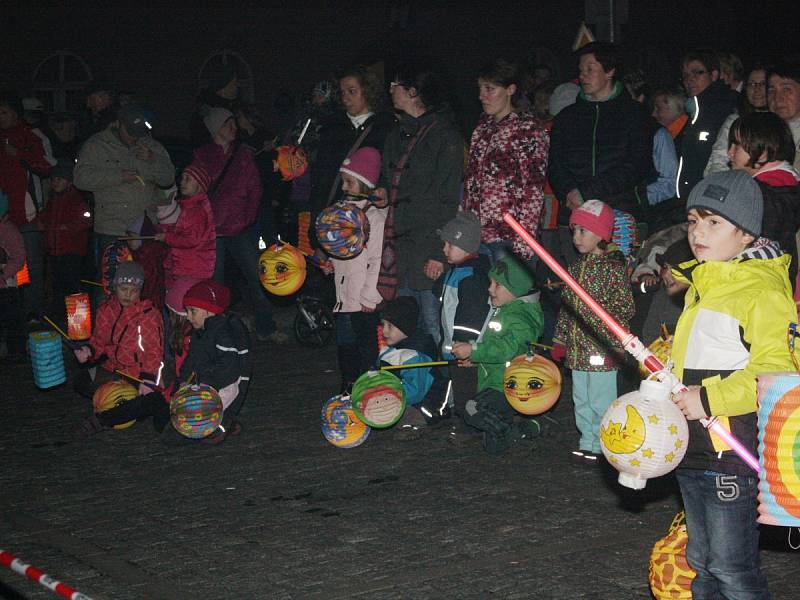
{"x":713,"y":105}
{"x":603,"y":149}
{"x":781,"y":220}
{"x":336,"y":137}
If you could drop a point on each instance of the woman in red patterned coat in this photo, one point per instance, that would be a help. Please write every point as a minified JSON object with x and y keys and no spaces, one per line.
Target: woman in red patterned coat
{"x":507,"y":162}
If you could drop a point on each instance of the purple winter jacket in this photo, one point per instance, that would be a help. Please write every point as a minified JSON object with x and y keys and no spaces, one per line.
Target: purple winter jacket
{"x":236,"y":200}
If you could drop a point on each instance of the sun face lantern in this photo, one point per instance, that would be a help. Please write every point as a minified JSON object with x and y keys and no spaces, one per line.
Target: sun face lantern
{"x":532,"y":384}
{"x":669,"y":572}
{"x":644,"y":434}
{"x":195,"y":410}
{"x":378,"y":399}
{"x":340,"y":424}
{"x":282,"y":269}
{"x":342,"y":230}
{"x":112,"y":394}
{"x":290,"y":161}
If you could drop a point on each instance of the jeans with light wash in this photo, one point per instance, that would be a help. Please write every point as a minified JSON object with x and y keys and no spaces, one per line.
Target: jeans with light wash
{"x":723,"y":535}
{"x":245,"y":254}
{"x":429,"y":311}
{"x":592,"y":394}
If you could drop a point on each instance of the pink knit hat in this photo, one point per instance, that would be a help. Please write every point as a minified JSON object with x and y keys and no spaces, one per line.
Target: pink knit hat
{"x":176,"y":292}
{"x":594,"y":216}
{"x":200,"y":175}
{"x":364,"y":164}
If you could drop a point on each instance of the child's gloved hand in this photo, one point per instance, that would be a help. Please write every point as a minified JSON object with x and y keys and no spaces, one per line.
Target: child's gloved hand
{"x":83,"y":353}
{"x":558,"y":352}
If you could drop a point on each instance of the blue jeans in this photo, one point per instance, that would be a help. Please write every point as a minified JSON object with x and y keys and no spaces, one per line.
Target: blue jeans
{"x":723,"y":535}
{"x":245,"y":254}
{"x":429,"y":311}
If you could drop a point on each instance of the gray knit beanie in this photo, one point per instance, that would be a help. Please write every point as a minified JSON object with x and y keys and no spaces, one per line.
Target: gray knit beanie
{"x":216,"y":118}
{"x":733,"y":195}
{"x":463,"y":231}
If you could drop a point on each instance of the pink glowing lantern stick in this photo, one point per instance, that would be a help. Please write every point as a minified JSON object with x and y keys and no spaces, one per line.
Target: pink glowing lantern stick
{"x":630,"y":342}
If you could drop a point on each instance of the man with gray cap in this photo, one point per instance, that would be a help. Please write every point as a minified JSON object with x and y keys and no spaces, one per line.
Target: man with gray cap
{"x":235,"y":195}
{"x":733,"y":328}
{"x":124,"y":167}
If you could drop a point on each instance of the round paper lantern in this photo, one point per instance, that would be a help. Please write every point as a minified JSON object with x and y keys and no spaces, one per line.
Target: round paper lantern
{"x":378,"y":399}
{"x":779,"y":449}
{"x":342,"y":230}
{"x":340,"y":424}
{"x":662,"y":348}
{"x":115,"y":253}
{"x":644,"y":434}
{"x":195,"y":410}
{"x":624,"y":234}
{"x":669,"y":572}
{"x":532,"y":384}
{"x":291,"y":162}
{"x":112,"y":394}
{"x":282,"y":269}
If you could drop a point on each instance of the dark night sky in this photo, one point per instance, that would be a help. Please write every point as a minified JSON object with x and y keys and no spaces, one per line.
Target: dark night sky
{"x":156,"y":51}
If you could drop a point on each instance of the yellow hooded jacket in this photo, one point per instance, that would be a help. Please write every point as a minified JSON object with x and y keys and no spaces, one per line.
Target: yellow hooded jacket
{"x":733,"y":327}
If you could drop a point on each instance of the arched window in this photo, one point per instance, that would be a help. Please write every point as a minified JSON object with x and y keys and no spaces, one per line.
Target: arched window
{"x":59,"y":81}
{"x":214,"y":65}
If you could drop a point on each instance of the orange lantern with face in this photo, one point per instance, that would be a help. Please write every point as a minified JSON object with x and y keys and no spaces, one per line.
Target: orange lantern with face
{"x":532,"y":384}
{"x":282,"y":269}
{"x":290,"y":161}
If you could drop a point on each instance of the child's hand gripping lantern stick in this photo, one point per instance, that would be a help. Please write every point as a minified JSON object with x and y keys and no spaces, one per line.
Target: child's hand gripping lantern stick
{"x":632,"y":344}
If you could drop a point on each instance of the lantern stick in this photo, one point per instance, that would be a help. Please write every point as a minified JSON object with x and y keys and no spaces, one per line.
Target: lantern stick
{"x":156,"y":388}
{"x":130,"y":238}
{"x":630,"y":342}
{"x":86,"y":281}
{"x":419,"y":365}
{"x":57,"y":328}
{"x":15,"y":564}
{"x":303,"y":133}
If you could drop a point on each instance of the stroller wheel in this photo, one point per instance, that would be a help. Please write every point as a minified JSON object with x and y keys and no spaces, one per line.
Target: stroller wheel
{"x":315,"y":330}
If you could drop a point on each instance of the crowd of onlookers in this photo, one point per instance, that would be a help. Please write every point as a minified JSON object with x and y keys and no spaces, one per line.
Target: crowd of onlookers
{"x":602,"y":169}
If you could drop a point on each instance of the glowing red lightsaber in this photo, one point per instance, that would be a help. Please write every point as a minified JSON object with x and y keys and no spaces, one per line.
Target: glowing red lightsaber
{"x":630,"y":342}
{"x":15,"y":564}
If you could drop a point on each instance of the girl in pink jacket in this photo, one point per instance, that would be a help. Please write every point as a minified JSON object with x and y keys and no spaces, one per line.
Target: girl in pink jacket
{"x":187,"y":227}
{"x":356,"y":278}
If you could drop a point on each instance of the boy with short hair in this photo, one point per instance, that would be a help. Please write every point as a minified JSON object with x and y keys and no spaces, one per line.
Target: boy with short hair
{"x":407,"y":345}
{"x":462,"y":293}
{"x":733,"y":328}
{"x":515,"y":320}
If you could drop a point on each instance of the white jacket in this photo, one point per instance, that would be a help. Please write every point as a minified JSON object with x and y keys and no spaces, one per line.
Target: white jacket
{"x":357,"y":278}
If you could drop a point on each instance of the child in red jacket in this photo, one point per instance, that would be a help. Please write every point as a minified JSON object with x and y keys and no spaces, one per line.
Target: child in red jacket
{"x":12,"y":257}
{"x":128,"y":336}
{"x":188,"y":229}
{"x":66,"y":222}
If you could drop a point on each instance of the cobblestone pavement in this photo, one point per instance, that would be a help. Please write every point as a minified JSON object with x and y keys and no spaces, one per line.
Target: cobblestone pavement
{"x":279,"y":513}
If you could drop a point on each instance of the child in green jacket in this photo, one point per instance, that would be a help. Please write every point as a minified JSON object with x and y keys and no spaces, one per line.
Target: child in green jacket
{"x":515,"y":319}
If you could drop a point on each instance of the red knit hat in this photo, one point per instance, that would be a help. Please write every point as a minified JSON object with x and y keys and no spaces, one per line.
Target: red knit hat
{"x":208,"y":294}
{"x":200,"y":175}
{"x":594,"y":216}
{"x":364,"y":164}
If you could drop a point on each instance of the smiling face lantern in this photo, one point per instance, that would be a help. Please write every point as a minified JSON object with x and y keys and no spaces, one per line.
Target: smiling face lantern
{"x":378,"y":399}
{"x":282,"y":269}
{"x":531,"y":384}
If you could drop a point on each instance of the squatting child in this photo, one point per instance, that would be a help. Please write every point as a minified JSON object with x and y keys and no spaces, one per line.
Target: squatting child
{"x":218,"y":356}
{"x":515,"y":320}
{"x":581,"y":338}
{"x":733,"y":327}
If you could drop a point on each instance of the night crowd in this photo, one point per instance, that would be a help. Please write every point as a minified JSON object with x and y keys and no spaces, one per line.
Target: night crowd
{"x":677,"y":208}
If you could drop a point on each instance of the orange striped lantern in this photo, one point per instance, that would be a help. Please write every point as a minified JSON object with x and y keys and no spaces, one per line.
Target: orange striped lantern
{"x":23,"y":275}
{"x":79,"y":316}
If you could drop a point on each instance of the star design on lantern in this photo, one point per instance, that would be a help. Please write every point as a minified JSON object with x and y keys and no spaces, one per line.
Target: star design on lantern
{"x":635,"y":462}
{"x":678,"y":444}
{"x":673,"y":429}
{"x":614,"y":460}
{"x":669,"y":457}
{"x":647,"y":453}
{"x":653,"y":419}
